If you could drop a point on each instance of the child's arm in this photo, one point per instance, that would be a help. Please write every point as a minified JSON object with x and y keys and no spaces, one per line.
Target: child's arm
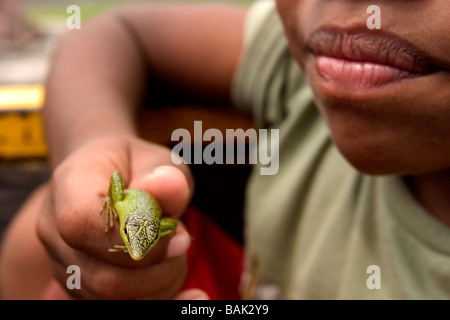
{"x":96,"y":83}
{"x":99,"y":73}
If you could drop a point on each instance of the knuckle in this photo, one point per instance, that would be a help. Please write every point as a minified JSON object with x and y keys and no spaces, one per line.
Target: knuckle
{"x":71,"y":210}
{"x":110,"y":284}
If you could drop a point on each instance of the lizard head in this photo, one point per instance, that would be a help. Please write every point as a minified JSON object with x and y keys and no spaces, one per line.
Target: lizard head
{"x":139,"y":235}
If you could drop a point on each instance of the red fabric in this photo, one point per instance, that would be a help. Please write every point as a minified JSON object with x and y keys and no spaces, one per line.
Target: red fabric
{"x":214,"y":258}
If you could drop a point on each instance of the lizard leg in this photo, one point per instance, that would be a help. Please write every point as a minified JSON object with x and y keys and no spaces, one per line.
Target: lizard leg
{"x":167,"y":225}
{"x":118,"y":248}
{"x":110,"y":213}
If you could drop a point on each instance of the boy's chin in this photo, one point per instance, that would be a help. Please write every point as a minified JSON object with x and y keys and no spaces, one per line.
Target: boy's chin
{"x":387,"y":158}
{"x":374,"y":164}
{"x":385,"y":137}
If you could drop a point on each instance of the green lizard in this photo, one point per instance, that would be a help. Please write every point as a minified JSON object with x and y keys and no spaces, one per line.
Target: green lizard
{"x":139,"y":215}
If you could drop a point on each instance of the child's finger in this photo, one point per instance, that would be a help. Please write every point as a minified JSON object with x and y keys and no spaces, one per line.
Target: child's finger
{"x":170,"y":186}
{"x":179,"y":242}
{"x":192,"y":294}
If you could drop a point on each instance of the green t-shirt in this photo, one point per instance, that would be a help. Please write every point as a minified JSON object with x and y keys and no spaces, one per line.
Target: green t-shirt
{"x":319,"y":229}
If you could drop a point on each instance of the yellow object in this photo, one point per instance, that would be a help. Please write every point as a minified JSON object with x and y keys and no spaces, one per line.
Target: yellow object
{"x":21,"y":98}
{"x":21,"y":129}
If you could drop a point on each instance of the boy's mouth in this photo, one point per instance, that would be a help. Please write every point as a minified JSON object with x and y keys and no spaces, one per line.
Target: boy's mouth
{"x":365,"y":59}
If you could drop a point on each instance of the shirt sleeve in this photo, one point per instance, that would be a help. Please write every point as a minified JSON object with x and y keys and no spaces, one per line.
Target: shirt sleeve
{"x":267,"y":74}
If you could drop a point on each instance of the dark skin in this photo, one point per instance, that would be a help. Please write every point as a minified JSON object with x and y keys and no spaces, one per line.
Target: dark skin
{"x":400,"y":128}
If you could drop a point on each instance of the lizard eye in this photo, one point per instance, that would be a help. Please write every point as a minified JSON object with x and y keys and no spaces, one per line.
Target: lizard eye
{"x":125,"y":230}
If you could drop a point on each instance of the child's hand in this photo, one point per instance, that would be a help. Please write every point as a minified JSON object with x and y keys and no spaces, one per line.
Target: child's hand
{"x":73,"y":231}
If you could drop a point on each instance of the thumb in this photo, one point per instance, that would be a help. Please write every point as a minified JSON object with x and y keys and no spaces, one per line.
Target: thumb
{"x":170,"y":186}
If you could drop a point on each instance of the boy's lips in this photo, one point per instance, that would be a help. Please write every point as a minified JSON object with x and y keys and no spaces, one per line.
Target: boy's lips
{"x":366,"y":59}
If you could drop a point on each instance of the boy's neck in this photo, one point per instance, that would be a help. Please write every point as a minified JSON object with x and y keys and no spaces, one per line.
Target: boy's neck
{"x":433,"y":192}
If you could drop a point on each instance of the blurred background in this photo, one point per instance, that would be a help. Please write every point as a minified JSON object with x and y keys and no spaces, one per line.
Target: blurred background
{"x":28,"y":32}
